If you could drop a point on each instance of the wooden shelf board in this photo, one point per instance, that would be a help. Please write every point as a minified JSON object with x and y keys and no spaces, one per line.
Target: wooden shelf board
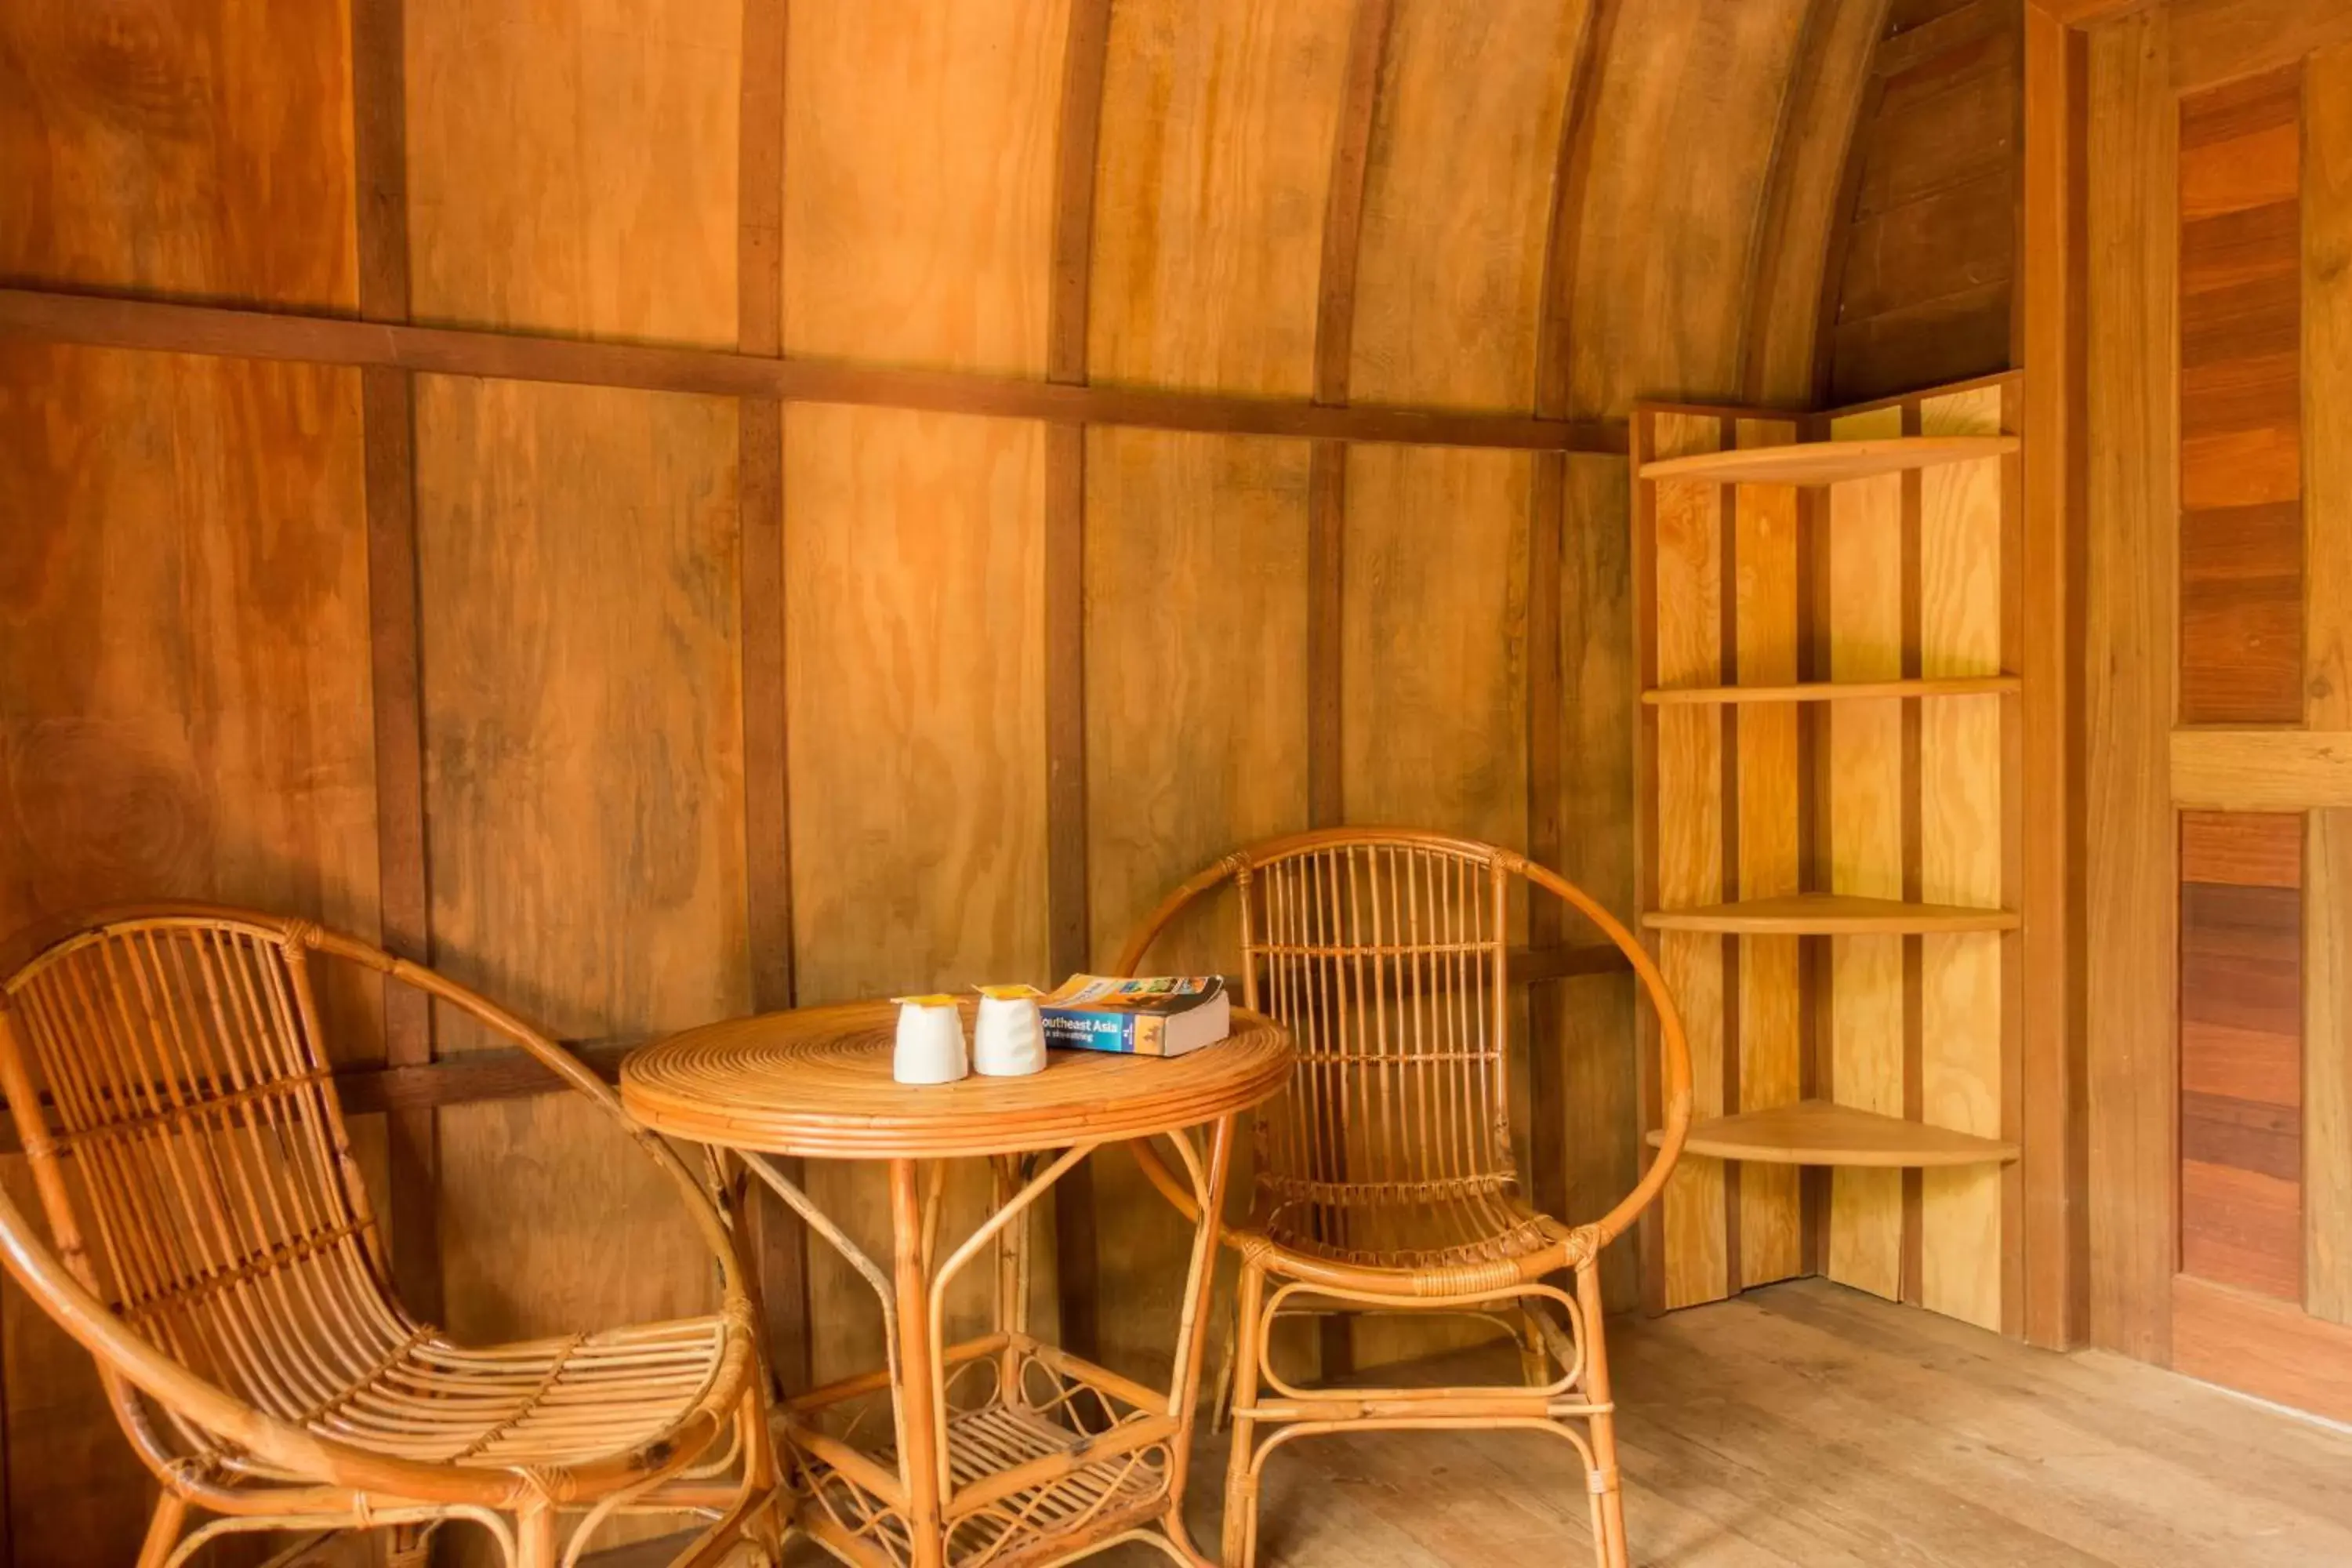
{"x":1829,"y":914}
{"x":1832,"y":691}
{"x":1827,"y":462}
{"x":1817,"y":1132}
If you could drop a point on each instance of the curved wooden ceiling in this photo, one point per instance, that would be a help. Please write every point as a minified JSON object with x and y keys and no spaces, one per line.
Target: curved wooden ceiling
{"x":1375,"y":200}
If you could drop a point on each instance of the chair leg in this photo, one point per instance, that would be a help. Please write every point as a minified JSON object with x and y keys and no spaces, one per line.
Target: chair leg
{"x":1609,"y":1540}
{"x":535,"y":1538}
{"x":1535,"y":1362}
{"x":163,"y":1530}
{"x":1221,"y":1402}
{"x":1240,"y":1473}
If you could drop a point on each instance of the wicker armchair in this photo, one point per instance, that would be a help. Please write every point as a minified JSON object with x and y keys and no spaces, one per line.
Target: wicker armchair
{"x":211,"y":1244}
{"x":1385,"y":1179}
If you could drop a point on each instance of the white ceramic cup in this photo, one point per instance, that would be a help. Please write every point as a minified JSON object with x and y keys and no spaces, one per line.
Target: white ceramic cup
{"x":1009,"y":1040}
{"x":929,"y":1047}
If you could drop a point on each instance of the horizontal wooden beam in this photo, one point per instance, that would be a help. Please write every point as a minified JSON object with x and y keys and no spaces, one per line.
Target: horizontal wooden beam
{"x":171,"y":327}
{"x":2262,"y":770}
{"x":473,"y":1076}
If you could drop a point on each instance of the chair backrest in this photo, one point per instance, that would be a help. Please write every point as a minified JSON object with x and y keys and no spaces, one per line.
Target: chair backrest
{"x":1387,"y":952}
{"x":167,"y":1077}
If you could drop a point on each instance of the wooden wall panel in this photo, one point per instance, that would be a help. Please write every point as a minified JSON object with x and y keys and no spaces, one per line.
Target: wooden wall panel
{"x":1920,"y":279}
{"x":1446,"y":292}
{"x":202,"y":148}
{"x":184,"y":713}
{"x":1688,"y":573}
{"x":1216,"y":150}
{"x":1196,"y":743}
{"x":2241,"y":416}
{"x":1865,"y":753}
{"x":574,"y":171}
{"x":2241,"y":1051}
{"x":576,"y":556}
{"x":1662,"y":249}
{"x":1434,"y":636}
{"x":917,"y":183}
{"x":915,"y":686}
{"x":1962,"y":1063}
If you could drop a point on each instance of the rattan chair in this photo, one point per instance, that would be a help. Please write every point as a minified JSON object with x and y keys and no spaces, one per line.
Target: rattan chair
{"x":1385,"y":1179}
{"x":211,"y":1244}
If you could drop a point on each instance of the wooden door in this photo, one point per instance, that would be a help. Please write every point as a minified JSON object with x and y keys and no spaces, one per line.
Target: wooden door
{"x":2217,"y":179}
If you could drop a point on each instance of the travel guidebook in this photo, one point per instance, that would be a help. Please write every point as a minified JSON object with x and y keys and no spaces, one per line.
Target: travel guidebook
{"x":1164,"y":1017}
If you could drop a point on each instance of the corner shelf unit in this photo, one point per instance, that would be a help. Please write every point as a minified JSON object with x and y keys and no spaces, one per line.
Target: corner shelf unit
{"x":1830,"y":839}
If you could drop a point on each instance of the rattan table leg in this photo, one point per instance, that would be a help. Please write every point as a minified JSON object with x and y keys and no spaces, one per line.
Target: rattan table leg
{"x":918,"y":1393}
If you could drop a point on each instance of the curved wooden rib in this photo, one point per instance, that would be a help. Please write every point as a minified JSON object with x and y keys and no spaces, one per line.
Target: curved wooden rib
{"x":1817,"y":1132}
{"x":1820,"y":116}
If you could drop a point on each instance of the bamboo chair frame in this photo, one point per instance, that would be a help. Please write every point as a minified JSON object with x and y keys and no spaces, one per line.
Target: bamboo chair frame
{"x":1385,"y":1177}
{"x":212,"y":1245}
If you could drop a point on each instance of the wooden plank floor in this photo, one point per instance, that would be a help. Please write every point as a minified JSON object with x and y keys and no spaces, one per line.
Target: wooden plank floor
{"x":1807,"y":1425}
{"x":1811,"y":1425}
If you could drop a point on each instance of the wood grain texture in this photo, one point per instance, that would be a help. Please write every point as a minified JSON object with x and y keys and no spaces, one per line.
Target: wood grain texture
{"x":380,"y":173}
{"x":2050,"y":1086}
{"x":915,"y":688}
{"x":184,"y":712}
{"x":544,"y":197}
{"x":2216,"y":41}
{"x":2267,"y":1348}
{"x":1926,"y":253}
{"x":95,"y":321}
{"x":578,"y":570}
{"x":2128,"y":697}
{"x":200,"y":149}
{"x":2326,"y":364}
{"x":1196,"y":720}
{"x":1962,"y":543}
{"x":1600,"y":1074}
{"x":1688,"y":582}
{"x":2261,"y":770}
{"x":1864,"y":613}
{"x":1661,"y":265}
{"x":1434,"y":661}
{"x":1206,"y":263}
{"x":578,"y":566}
{"x":1765,"y":619}
{"x":1449,"y":284}
{"x":1819,"y":117}
{"x":2326,"y":1086}
{"x":2241,"y":1001}
{"x":919,"y":182}
{"x":2241,"y":526}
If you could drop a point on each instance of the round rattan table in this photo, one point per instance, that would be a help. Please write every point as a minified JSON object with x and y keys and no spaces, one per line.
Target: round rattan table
{"x":1003,"y":1450}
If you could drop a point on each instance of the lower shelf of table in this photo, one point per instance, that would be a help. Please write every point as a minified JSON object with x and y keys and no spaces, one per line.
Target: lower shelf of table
{"x":1042,"y":1461}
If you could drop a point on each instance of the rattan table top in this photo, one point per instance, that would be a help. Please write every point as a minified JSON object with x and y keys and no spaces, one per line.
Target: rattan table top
{"x":816,"y":1082}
